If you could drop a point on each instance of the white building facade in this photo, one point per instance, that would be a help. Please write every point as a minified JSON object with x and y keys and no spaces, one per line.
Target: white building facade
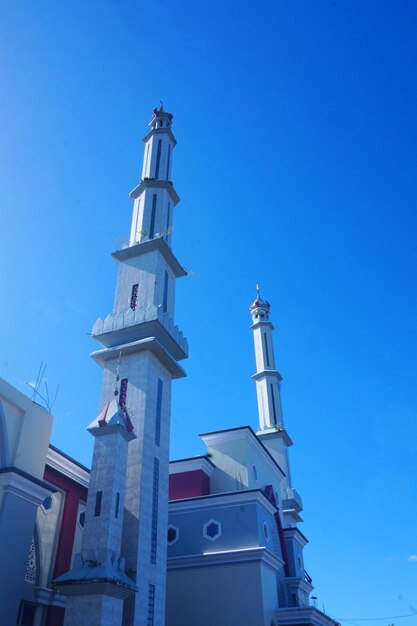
{"x":235,"y":552}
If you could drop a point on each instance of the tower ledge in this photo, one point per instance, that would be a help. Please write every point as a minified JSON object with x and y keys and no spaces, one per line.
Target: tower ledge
{"x":159,"y":131}
{"x":307,"y":615}
{"x":275,"y":433}
{"x":147,"y":183}
{"x":261,"y":322}
{"x":151,"y":344}
{"x":266,"y":372}
{"x":149,"y":246}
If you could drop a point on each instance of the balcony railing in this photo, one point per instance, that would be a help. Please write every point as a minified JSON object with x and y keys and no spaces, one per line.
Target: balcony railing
{"x":141,"y":315}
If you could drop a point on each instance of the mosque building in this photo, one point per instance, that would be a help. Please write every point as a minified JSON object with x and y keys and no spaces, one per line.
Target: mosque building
{"x":138,"y":540}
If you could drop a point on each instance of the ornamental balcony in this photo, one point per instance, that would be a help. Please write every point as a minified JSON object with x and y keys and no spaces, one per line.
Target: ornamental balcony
{"x":144,"y":322}
{"x":291,"y":500}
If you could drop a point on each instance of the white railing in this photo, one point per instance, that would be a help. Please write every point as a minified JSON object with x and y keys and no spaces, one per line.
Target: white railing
{"x":142,"y":314}
{"x":292,"y":494}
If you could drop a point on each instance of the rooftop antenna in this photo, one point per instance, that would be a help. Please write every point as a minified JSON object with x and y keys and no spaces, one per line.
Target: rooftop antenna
{"x":48,"y":405}
{"x":39,"y":377}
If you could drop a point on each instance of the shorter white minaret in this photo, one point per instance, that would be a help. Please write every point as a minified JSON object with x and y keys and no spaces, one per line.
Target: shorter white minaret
{"x":267,"y":378}
{"x":296,"y":586}
{"x":97,"y":585}
{"x":271,"y":424}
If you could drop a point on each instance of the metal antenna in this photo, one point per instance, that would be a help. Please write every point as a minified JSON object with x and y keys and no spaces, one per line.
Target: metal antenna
{"x":35,"y":388}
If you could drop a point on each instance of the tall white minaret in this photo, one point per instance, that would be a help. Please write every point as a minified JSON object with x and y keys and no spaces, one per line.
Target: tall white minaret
{"x":142,"y":346}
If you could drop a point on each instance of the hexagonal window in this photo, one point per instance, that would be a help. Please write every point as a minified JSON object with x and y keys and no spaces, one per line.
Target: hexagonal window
{"x":81,"y":519}
{"x":172,"y":535}
{"x":48,"y":504}
{"x":212,"y":530}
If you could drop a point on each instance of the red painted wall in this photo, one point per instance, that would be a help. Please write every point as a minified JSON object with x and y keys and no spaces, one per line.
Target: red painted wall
{"x":55,"y":616}
{"x":188,"y":485}
{"x":73,"y":494}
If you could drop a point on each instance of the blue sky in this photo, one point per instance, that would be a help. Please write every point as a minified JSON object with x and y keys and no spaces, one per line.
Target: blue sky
{"x":296,"y":168}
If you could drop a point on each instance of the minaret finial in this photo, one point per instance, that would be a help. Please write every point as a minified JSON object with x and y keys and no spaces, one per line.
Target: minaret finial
{"x":161,"y":108}
{"x":260,"y":308}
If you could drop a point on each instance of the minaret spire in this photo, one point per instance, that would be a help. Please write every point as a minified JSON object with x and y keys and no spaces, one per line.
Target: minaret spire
{"x":154,"y":198}
{"x":267,"y":378}
{"x":271,"y":425}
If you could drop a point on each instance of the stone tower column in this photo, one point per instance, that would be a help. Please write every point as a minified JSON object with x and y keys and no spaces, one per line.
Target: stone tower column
{"x":97,"y":585}
{"x":142,"y":345}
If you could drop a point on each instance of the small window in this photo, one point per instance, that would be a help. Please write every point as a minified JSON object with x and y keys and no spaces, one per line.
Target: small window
{"x":123,"y":393}
{"x":172,"y":535}
{"x":97,"y":509}
{"x":168,"y":158}
{"x":117,"y":504}
{"x":266,"y":349}
{"x":48,"y":504}
{"x":81,"y":519}
{"x":165,"y":298}
{"x":155,"y":496}
{"x":158,"y":413}
{"x":212,"y":530}
{"x":158,"y":158}
{"x":168,"y":219}
{"x":273,"y":403}
{"x":265,"y":528}
{"x":254,"y":472}
{"x":147,"y":157}
{"x":153,"y":215}
{"x":26,"y":614}
{"x":151,"y":604}
{"x":134,"y":297}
